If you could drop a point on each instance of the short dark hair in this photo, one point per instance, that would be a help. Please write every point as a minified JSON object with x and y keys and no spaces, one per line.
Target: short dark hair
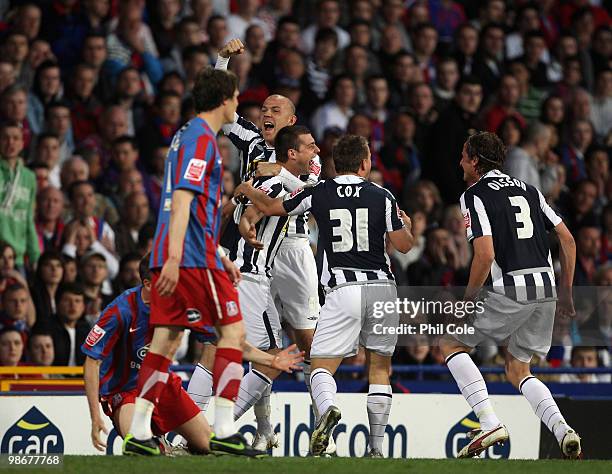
{"x":126,"y":139}
{"x":143,"y":268}
{"x":46,"y":257}
{"x":326,"y":34}
{"x":12,"y":289}
{"x":44,"y":136}
{"x":489,"y":149}
{"x":73,"y":187}
{"x":56,"y":104}
{"x":212,"y":87}
{"x":469,"y":80}
{"x":72,"y":288}
{"x":288,"y":138}
{"x":349,"y":152}
{"x":190,"y":51}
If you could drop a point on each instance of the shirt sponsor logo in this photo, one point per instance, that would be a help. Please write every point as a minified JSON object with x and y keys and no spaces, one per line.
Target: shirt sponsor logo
{"x":315,"y":168}
{"x":232,"y":308}
{"x":195,"y":169}
{"x":265,"y":189}
{"x":296,"y":192}
{"x":94,"y":335}
{"x":466,"y":218}
{"x":193,"y":315}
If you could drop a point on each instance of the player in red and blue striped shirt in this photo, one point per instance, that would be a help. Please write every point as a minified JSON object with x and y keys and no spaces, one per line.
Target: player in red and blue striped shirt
{"x":193,"y":282}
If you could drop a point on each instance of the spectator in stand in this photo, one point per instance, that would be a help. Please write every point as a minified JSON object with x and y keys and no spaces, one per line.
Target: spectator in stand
{"x":362,"y":35}
{"x":14,"y":108}
{"x":422,"y":105}
{"x":255,"y":42}
{"x":553,"y":113}
{"x":535,"y":52}
{"x":188,"y":33}
{"x":505,"y":105}
{"x":84,"y":105}
{"x":113,"y":124}
{"x":41,"y":172}
{"x":83,"y":204}
{"x":69,"y":328}
{"x":587,"y":253}
{"x":400,"y":157}
{"x":390,"y":47}
{"x":327,"y":16}
{"x":601,"y":108}
{"x":15,"y":50}
{"x":40,"y":347}
{"x":584,"y":357}
{"x":337,"y":111}
{"x":510,"y":132}
{"x":466,"y":47}
{"x":39,"y":52}
{"x":17,"y":310}
{"x":447,"y":77}
{"x":578,"y":210}
{"x":216,"y":30}
{"x":454,"y":222}
{"x":356,"y":65}
{"x":444,"y":154}
{"x":377,"y":92}
{"x":598,"y":170}
{"x":419,"y":224}
{"x":573,"y":153}
{"x":49,"y":275}
{"x":98,"y":291}
{"x":94,"y":54}
{"x":490,"y":11}
{"x":164,"y":19}
{"x":48,"y":152}
{"x":405,"y":75}
{"x":129,"y":95}
{"x":528,"y":162}
{"x":194,"y":59}
{"x":27,"y":19}
{"x":531,"y":98}
{"x":425,"y":196}
{"x":8,"y":273}
{"x":320,"y":62}
{"x":439,"y":264}
{"x":571,"y":80}
{"x":250,"y":86}
{"x":601,"y":49}
{"x":425,"y":42}
{"x":7,"y":75}
{"x":245,"y":16}
{"x":49,"y":222}
{"x":11,"y":348}
{"x":391,"y":14}
{"x":132,"y":44}
{"x":125,"y":156}
{"x":489,"y":61}
{"x":47,"y":88}
{"x":17,"y":197}
{"x":128,"y":276}
{"x":135,"y":215}
{"x":58,"y":121}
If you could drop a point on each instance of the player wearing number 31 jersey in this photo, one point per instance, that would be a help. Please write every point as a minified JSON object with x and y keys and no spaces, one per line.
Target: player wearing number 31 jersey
{"x":355,"y":218}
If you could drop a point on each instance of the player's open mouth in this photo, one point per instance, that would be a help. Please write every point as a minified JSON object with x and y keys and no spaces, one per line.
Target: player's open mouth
{"x":268,"y":126}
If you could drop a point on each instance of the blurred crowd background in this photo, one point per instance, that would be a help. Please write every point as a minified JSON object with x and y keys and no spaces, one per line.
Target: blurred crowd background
{"x":92,"y":91}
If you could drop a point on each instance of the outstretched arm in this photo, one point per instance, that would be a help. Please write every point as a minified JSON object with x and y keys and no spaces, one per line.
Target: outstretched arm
{"x":267,"y":205}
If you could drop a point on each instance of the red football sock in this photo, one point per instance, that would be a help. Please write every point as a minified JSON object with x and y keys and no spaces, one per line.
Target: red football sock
{"x":227,"y":372}
{"x":153,"y":376}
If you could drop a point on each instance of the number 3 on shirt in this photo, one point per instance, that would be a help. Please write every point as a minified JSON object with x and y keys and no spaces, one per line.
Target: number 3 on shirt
{"x":522,"y":217}
{"x":344,"y":229}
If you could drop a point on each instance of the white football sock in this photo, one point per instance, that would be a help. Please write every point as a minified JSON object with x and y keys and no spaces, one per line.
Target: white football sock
{"x":262,"y":411}
{"x":473,"y":388}
{"x":200,"y":387}
{"x":544,"y":406}
{"x":379,"y":407}
{"x":252,"y":387}
{"x":224,"y":418}
{"x":141,"y":421}
{"x":307,"y":370}
{"x":323,"y":388}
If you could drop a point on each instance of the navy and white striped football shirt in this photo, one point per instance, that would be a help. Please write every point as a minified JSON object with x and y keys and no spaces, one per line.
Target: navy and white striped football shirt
{"x":518,"y":218}
{"x":270,"y":232}
{"x":354,"y":216}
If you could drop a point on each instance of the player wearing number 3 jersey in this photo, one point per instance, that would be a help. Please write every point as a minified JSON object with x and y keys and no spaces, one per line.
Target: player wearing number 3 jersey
{"x":507,"y":222}
{"x":355,"y":217}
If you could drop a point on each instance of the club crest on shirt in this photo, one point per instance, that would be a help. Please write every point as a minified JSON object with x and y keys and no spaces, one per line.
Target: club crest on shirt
{"x":193,"y":315}
{"x":232,"y":308}
{"x":94,"y":335}
{"x":265,"y":189}
{"x":466,"y":218}
{"x":195,"y":169}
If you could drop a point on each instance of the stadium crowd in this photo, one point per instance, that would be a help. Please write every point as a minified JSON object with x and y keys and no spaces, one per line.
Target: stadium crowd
{"x":92,"y":91}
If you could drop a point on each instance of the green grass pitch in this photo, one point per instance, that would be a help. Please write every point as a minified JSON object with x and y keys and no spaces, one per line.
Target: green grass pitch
{"x":233,"y":465}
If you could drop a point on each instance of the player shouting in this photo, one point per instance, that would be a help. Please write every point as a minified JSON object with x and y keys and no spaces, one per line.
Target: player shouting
{"x":115,"y":348}
{"x":294,"y":278}
{"x":507,"y":222}
{"x":355,"y":217}
{"x":192,"y":280}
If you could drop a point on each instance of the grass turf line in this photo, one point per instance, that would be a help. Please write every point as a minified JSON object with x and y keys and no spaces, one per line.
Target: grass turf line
{"x":234,"y":465}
